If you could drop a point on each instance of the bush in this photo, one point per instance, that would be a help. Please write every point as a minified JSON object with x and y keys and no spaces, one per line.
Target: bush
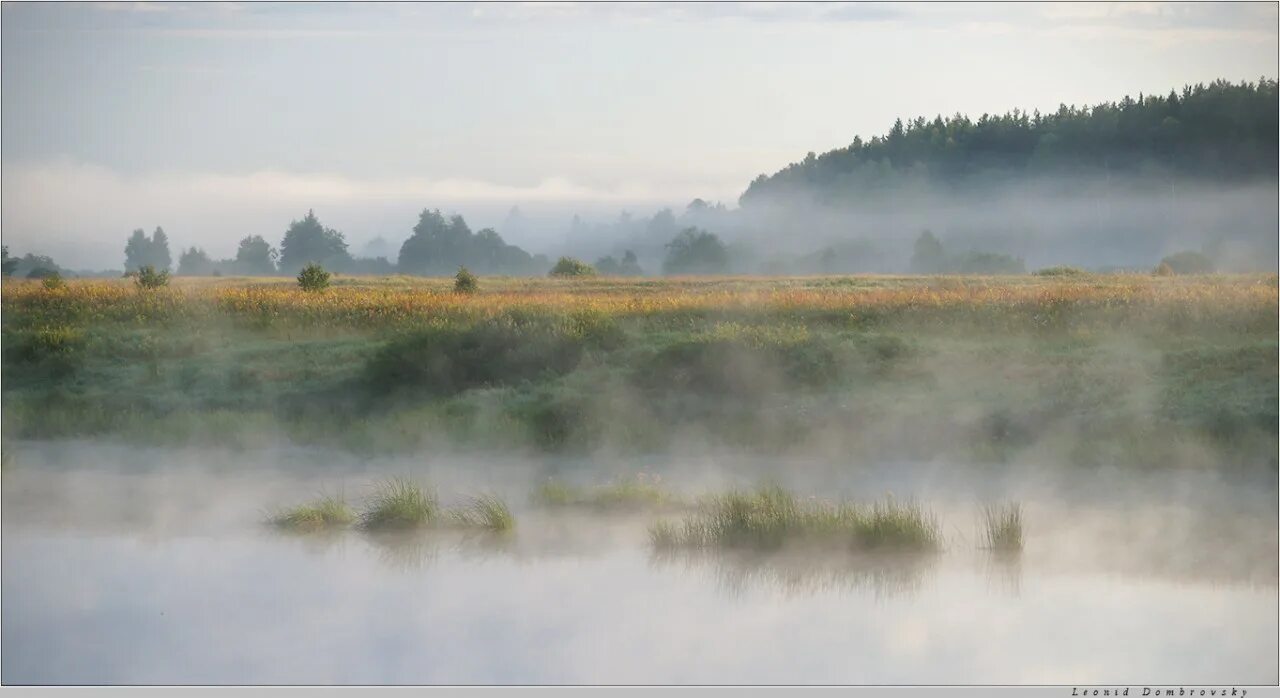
{"x":1163,"y":270}
{"x":148,"y":278}
{"x":313,"y":277}
{"x":53,"y":282}
{"x":501,"y":351}
{"x":1188,"y":263}
{"x":42,"y":273}
{"x":1061,"y":271}
{"x":465,"y":282}
{"x":568,"y":266}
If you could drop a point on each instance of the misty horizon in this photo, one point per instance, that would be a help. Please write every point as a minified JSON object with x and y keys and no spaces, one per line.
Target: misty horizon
{"x":189,"y":129}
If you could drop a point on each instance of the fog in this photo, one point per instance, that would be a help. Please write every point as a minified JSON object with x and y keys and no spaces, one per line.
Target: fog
{"x":178,"y":580}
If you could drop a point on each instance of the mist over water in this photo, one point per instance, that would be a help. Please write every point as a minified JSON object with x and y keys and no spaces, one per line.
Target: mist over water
{"x":126,"y":565}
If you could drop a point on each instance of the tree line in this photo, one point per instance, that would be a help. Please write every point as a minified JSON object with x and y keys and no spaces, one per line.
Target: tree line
{"x":1220,"y":131}
{"x":438,"y":246}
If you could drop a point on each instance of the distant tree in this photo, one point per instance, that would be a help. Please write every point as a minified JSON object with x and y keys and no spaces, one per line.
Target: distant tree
{"x":194,"y":262}
{"x":607,"y":265}
{"x":696,"y":251}
{"x":928,"y":257}
{"x":255,"y":257}
{"x":42,"y":272}
{"x":160,"y":257}
{"x":313,"y":277}
{"x":439,"y":246}
{"x":137,"y":252}
{"x":568,"y":266}
{"x":7,"y":263}
{"x":36,"y":266}
{"x":308,"y":242}
{"x":610,"y":266}
{"x":1188,"y":262}
{"x":371,"y":266}
{"x":141,"y":251}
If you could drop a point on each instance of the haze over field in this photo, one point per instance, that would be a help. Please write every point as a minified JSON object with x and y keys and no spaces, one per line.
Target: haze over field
{"x":219,"y":121}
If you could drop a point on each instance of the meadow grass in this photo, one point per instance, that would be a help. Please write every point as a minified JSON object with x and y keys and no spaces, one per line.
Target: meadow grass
{"x":401,"y":364}
{"x":326,"y":512}
{"x":640,"y":491}
{"x":400,"y":504}
{"x":1002,"y":527}
{"x":770,"y":517}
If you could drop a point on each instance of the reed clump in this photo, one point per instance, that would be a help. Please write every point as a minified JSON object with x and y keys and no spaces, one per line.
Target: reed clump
{"x":1002,"y":527}
{"x":486,"y":511}
{"x":399,"y":504}
{"x":324,"y":513}
{"x":770,"y":517}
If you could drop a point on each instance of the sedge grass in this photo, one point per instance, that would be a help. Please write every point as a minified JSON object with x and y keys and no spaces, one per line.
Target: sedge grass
{"x":769,"y":517}
{"x":485,"y":511}
{"x":324,"y":513}
{"x":400,"y":504}
{"x":1002,"y":527}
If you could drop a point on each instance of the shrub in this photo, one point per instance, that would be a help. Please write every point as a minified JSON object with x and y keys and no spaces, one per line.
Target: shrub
{"x":1188,"y":263}
{"x":1163,"y":270}
{"x":41,"y":273}
{"x":313,"y":277}
{"x":1061,"y":271}
{"x":500,"y":351}
{"x":53,"y":282}
{"x":568,"y":266}
{"x":465,"y":282}
{"x":148,"y":278}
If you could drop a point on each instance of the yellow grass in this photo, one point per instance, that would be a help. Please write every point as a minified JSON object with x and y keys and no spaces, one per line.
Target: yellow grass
{"x":373,"y":301}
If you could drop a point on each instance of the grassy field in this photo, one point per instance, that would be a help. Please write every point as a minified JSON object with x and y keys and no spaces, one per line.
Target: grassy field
{"x":1128,"y":369}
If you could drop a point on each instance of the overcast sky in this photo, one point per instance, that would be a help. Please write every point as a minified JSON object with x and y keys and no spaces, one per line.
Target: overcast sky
{"x":223,"y":120}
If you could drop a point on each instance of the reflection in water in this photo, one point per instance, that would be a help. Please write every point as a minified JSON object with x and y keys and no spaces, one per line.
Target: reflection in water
{"x":174,"y":579}
{"x":736,"y":573}
{"x":1003,"y":572}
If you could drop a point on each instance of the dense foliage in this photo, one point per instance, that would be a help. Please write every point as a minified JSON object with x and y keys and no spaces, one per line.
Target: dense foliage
{"x":439,"y":246}
{"x":696,"y":251}
{"x":1219,"y":131}
{"x":308,"y":242}
{"x":142,"y":251}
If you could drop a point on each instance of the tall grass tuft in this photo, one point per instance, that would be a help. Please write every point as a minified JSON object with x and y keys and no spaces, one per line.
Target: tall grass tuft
{"x":1002,"y":527}
{"x":400,"y":504}
{"x":327,"y":512}
{"x":485,"y":511}
{"x":769,"y":517}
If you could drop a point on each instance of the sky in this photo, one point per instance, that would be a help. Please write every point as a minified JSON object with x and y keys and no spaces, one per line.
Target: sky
{"x":220,"y":120}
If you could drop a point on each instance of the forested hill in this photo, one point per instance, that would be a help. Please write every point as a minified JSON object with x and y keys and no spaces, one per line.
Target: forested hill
{"x":1220,"y":132}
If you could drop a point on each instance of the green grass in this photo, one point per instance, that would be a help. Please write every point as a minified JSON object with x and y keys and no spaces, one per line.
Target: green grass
{"x":400,"y":504}
{"x":770,"y":517}
{"x":324,"y":513}
{"x":485,"y":511}
{"x":1002,"y":527}
{"x":637,"y":492}
{"x":1090,"y":369}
